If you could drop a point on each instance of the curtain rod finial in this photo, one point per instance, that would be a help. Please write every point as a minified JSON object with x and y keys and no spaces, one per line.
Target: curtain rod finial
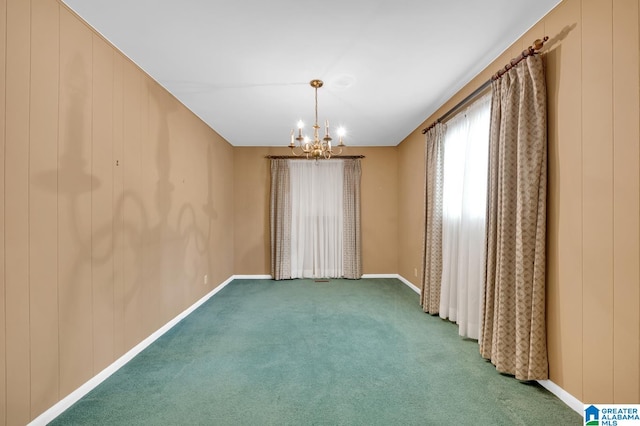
{"x":537,"y":45}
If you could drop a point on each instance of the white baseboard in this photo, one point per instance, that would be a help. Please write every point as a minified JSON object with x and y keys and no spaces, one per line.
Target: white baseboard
{"x":76,"y":395}
{"x":380,"y":275}
{"x":252,"y":277}
{"x":409,"y":284}
{"x":397,"y":276}
{"x":572,"y":402}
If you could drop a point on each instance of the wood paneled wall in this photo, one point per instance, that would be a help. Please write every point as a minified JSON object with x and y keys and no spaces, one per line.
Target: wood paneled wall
{"x":116,"y":201}
{"x":593,"y":222}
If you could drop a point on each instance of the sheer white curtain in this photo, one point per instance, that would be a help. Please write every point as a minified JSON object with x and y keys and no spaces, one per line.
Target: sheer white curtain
{"x":466,"y":147}
{"x":317,"y":218}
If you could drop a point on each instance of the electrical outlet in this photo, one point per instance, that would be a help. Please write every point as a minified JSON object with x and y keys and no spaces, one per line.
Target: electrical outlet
{"x":206,"y":278}
{"x":415,"y":272}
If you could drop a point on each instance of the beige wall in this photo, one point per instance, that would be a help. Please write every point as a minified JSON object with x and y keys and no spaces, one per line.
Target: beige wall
{"x":378,"y":210}
{"x":593,"y":270}
{"x":116,"y":201}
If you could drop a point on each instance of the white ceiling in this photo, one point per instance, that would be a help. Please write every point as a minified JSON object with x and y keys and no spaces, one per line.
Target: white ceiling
{"x":244,"y":66}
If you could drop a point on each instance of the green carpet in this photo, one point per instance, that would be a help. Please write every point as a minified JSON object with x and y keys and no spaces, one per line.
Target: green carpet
{"x":298,"y":352}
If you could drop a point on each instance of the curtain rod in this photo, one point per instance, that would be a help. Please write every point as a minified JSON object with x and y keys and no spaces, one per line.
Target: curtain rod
{"x":529,"y":51}
{"x":302,"y":157}
{"x":459,"y":105}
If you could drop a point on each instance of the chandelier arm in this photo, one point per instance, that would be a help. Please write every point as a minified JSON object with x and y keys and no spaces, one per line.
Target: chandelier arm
{"x":293,"y":152}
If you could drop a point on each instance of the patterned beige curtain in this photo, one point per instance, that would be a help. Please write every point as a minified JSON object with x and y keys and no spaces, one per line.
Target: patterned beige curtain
{"x":352,"y":241}
{"x":280,"y":217}
{"x":432,"y":241}
{"x":513,"y":334}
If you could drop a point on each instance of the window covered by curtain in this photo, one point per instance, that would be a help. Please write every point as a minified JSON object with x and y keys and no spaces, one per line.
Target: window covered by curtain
{"x":513,"y":326}
{"x":352,"y":239}
{"x":432,"y":240}
{"x":315,"y":219}
{"x":466,"y":145}
{"x":280,"y":220}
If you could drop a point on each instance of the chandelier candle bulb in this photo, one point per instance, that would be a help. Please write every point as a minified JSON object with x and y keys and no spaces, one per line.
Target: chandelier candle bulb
{"x":341,"y":133}
{"x":316,"y":148}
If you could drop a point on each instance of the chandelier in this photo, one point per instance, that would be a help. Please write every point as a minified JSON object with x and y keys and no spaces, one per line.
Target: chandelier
{"x":316,"y":148}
